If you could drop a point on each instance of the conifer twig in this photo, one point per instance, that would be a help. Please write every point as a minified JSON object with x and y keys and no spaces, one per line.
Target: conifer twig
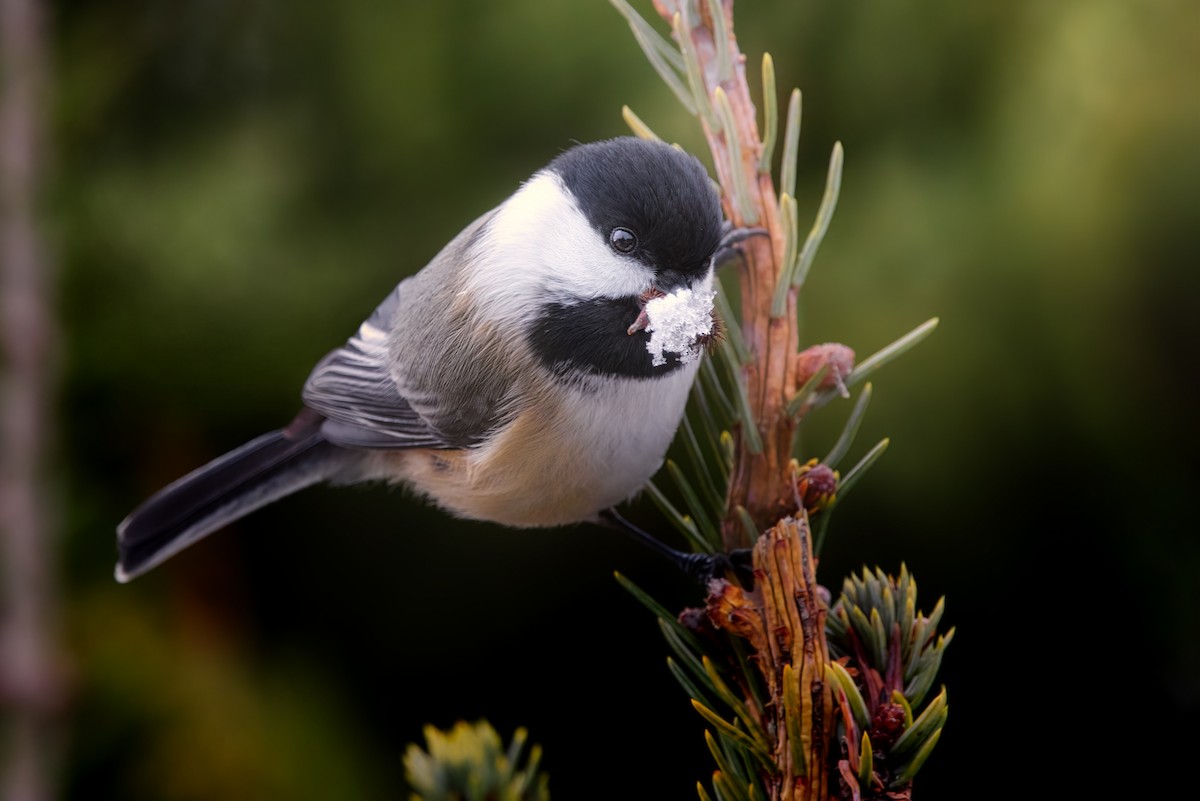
{"x":771,"y":705}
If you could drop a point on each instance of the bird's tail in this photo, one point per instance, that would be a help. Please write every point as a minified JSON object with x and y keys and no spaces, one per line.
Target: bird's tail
{"x":227,"y":488}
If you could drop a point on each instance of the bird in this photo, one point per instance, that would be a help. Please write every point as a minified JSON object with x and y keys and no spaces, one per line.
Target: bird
{"x":509,"y":380}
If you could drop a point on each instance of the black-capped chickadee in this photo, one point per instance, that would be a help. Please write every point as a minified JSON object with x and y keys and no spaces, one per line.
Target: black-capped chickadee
{"x":510,"y":380}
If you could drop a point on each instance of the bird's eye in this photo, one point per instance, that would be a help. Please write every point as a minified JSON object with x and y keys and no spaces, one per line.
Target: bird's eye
{"x":622,"y":239}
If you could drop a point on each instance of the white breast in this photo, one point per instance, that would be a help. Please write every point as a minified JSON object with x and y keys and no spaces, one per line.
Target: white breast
{"x":564,"y":462}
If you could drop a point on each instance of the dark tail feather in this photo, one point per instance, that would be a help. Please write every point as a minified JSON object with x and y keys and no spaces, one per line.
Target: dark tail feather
{"x":227,"y":488}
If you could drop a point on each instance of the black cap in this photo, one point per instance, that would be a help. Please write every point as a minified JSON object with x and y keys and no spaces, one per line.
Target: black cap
{"x":662,"y":195}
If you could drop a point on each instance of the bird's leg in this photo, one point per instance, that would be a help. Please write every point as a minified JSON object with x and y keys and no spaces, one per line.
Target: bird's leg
{"x":702,"y":567}
{"x":731,"y":242}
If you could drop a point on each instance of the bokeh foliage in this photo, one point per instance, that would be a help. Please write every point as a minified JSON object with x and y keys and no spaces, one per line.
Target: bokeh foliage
{"x":237,"y":183}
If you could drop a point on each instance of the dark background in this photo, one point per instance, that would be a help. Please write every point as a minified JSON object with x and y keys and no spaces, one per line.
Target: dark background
{"x":237,"y":183}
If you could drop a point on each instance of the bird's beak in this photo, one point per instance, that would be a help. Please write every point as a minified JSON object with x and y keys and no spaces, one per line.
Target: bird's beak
{"x":643,"y":320}
{"x":666,"y":282}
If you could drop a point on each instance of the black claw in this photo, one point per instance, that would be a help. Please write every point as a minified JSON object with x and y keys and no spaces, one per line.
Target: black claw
{"x":731,"y":242}
{"x":742,"y":563}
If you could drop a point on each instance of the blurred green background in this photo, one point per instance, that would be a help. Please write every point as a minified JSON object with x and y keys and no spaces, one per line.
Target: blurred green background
{"x":236,"y":183}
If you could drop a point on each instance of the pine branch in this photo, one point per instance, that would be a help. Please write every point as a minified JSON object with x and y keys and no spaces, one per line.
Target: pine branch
{"x":771,"y":711}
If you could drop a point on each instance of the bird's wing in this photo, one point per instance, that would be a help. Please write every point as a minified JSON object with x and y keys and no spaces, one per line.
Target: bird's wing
{"x":444,"y":388}
{"x":353,"y":388}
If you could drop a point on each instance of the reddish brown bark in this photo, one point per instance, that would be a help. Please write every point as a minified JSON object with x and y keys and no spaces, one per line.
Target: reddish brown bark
{"x":758,"y":480}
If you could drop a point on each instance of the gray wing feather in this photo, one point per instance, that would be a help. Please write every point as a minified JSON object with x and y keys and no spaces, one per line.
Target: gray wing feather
{"x":353,"y":388}
{"x":376,"y":395}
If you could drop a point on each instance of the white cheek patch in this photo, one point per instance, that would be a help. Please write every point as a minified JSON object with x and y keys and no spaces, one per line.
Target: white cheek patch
{"x":677,"y":322}
{"x":539,"y":248}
